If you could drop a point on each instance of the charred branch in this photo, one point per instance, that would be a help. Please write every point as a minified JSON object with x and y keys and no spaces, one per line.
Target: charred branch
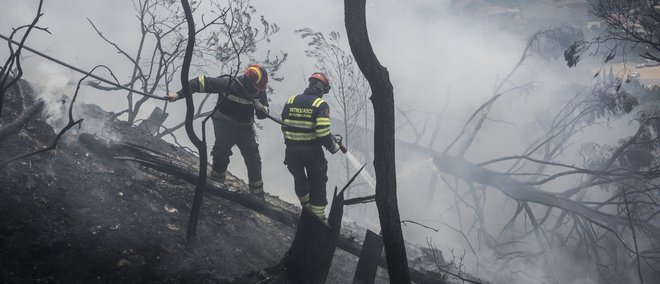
{"x":360,"y":200}
{"x":420,"y":224}
{"x":6,"y":81}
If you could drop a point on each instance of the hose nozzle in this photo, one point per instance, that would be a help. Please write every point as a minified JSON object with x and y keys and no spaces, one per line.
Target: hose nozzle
{"x":338,"y":140}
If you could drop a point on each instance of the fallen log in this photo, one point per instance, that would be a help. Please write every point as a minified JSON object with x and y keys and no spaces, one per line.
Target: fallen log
{"x":465,"y":170}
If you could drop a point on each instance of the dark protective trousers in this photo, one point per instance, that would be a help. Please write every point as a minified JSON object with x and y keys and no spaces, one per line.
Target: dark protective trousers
{"x":309,"y":169}
{"x":226,"y":136}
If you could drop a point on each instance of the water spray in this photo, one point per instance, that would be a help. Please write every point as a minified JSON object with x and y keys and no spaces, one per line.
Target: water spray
{"x":365,"y":175}
{"x":356,"y":164}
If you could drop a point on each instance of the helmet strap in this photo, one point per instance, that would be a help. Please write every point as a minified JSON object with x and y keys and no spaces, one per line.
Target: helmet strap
{"x":319,"y":86}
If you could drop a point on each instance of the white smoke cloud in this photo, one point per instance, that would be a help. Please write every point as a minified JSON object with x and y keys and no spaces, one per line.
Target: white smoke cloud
{"x":53,"y":89}
{"x":436,"y":61}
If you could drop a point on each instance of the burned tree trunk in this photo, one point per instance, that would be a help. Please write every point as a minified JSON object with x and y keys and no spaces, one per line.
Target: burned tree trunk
{"x":190,"y":110}
{"x":384,"y":162}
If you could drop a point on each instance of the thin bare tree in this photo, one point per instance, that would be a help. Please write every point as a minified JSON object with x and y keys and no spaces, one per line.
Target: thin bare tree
{"x":349,"y":87}
{"x":160,"y":49}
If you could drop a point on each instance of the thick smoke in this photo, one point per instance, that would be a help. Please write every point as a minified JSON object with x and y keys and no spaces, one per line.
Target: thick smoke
{"x":439,"y":63}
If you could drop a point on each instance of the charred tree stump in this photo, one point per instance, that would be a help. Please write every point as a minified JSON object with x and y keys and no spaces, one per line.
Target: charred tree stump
{"x":365,"y":273}
{"x":18,"y":124}
{"x":307,"y":260}
{"x":155,"y":120}
{"x":310,"y":255}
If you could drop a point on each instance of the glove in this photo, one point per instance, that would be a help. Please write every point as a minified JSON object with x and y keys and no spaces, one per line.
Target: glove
{"x":334,"y":148}
{"x":172,"y":97}
{"x":261,"y":110}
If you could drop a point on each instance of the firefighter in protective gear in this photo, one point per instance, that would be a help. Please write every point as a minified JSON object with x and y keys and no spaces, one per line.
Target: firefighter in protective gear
{"x":239,"y":100}
{"x":306,"y":127}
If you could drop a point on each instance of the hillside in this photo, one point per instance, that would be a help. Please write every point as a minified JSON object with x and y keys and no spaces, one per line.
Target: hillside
{"x":76,"y":215}
{"x":82,"y":213}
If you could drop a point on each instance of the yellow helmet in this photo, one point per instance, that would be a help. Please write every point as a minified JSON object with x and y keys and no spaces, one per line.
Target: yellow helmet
{"x":258,"y":76}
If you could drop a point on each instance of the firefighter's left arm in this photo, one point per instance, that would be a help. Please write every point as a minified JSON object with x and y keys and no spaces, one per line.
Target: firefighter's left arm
{"x":263,"y":105}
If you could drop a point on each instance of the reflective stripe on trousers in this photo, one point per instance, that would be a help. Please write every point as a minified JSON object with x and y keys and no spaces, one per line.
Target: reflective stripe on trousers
{"x":256,"y":187}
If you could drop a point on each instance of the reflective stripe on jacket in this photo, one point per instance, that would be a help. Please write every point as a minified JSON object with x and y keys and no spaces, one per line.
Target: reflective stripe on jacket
{"x":306,"y":121}
{"x":235,"y":105}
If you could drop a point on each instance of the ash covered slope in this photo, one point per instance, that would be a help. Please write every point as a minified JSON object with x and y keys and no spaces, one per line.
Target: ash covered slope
{"x":74,"y":215}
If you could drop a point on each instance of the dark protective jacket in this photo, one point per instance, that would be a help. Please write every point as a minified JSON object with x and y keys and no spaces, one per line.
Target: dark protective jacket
{"x":306,"y":119}
{"x":235,"y":103}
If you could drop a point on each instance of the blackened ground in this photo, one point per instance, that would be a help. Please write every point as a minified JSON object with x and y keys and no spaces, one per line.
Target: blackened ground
{"x":71,"y":216}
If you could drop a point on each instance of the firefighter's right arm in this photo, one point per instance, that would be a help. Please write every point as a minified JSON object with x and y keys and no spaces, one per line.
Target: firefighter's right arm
{"x":322,"y":129}
{"x":201,"y":84}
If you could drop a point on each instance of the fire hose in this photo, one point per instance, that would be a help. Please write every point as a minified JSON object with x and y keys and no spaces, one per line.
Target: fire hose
{"x":260,"y":107}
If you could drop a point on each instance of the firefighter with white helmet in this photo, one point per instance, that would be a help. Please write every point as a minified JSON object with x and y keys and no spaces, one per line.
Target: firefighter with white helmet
{"x":306,"y":128}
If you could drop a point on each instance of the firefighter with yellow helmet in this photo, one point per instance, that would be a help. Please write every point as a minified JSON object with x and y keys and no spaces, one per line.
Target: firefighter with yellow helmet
{"x":241,"y":98}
